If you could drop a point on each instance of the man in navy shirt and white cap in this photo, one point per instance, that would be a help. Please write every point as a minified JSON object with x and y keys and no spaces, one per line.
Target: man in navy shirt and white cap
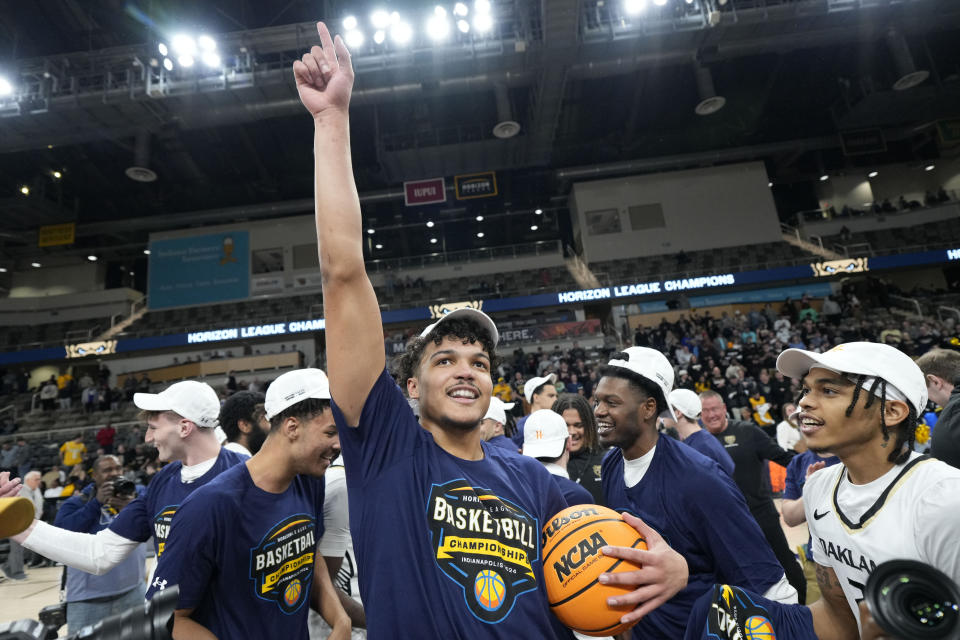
{"x":180,"y":423}
{"x":494,"y":423}
{"x":679,"y":492}
{"x":243,"y":549}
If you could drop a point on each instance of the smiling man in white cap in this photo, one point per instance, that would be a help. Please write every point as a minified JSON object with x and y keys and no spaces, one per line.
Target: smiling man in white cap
{"x":180,"y":424}
{"x":860,"y":401}
{"x":682,"y":494}
{"x":493,"y":425}
{"x":243,"y":548}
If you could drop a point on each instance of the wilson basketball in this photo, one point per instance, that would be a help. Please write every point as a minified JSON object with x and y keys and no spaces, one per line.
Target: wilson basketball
{"x":572,"y":561}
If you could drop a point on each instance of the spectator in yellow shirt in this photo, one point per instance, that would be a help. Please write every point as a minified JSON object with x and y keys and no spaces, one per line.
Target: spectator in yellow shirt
{"x":502,"y":390}
{"x":72,"y":451}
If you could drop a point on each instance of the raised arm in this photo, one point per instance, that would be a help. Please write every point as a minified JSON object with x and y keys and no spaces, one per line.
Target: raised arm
{"x":355,"y":352}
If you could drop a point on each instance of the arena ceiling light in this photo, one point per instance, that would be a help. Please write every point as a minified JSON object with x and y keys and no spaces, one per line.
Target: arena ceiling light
{"x":769,"y":184}
{"x":349,"y":23}
{"x":185,"y":61}
{"x":146,"y":252}
{"x":482,"y":22}
{"x":660,"y":3}
{"x":354,"y":38}
{"x":429,"y":223}
{"x":634,"y":7}
{"x":433,"y":241}
{"x":210,"y":59}
{"x":401,"y":33}
{"x":379,"y":36}
{"x":479,"y":234}
{"x":378,"y":246}
{"x":824,"y":178}
{"x":463,"y":26}
{"x":460,"y":10}
{"x":533,"y":227}
{"x":57,"y":175}
{"x":35,"y":265}
{"x":538,"y":212}
{"x":92,"y":258}
{"x":206,"y":43}
{"x":872,"y":174}
{"x":6,"y":87}
{"x":929,"y":167}
{"x":168,"y":64}
{"x":162,"y":48}
{"x":479,"y":218}
{"x":380,"y":19}
{"x":3,"y":269}
{"x":438,"y":27}
{"x":371,"y":230}
{"x":183,"y":45}
{"x":25,"y":190}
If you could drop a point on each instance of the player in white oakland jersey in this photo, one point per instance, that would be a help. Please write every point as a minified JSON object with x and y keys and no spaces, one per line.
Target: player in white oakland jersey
{"x":910,"y":512}
{"x":860,"y":401}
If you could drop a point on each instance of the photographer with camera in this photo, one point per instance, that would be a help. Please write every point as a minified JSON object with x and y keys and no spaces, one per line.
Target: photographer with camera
{"x":90,"y":597}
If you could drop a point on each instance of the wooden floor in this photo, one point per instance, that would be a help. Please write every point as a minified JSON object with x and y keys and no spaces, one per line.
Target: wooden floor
{"x":24,"y":598}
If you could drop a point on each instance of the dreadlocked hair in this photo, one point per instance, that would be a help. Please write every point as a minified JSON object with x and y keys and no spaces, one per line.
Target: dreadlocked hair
{"x":467,"y":331}
{"x":906,"y":430}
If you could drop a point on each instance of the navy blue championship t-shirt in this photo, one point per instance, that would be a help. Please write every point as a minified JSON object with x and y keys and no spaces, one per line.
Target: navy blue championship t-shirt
{"x":151,"y":514}
{"x":243,"y":557}
{"x":706,"y":444}
{"x":702,"y":515}
{"x":447,"y":548}
{"x":731,"y":613}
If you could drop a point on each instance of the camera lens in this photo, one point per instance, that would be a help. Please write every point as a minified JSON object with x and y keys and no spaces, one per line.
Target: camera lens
{"x":909,"y":599}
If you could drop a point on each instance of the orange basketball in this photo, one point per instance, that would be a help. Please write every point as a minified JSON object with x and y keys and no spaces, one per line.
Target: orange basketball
{"x":572,"y":561}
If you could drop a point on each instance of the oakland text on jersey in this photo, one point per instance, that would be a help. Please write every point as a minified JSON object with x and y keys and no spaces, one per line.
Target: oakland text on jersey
{"x":281,"y":566}
{"x":485,"y":544}
{"x":161,"y":525}
{"x":847,"y":556}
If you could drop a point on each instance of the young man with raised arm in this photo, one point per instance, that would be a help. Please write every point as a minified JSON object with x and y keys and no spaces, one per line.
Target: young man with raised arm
{"x":446,"y":527}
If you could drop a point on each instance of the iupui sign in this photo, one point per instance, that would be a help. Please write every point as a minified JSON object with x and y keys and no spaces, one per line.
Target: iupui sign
{"x":420,"y":192}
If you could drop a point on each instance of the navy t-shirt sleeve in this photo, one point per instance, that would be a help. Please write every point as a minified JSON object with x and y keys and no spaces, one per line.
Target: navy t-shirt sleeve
{"x":134,"y":521}
{"x":387,"y":432}
{"x":189,"y":557}
{"x":723,"y":612}
{"x":796,"y":475}
{"x":741,"y":554}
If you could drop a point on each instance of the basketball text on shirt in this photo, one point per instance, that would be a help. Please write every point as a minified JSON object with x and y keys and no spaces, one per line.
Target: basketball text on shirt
{"x":161,"y":526}
{"x":484,"y":544}
{"x":281,"y":566}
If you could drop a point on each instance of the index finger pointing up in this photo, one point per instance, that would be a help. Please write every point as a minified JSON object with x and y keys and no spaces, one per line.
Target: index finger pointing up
{"x":327,"y":43}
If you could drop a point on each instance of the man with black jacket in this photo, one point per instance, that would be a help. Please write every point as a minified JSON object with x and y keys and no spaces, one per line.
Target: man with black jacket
{"x":750,"y":449}
{"x":941,"y":371}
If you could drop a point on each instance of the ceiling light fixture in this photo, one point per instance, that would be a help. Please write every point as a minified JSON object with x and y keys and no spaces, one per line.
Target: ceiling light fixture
{"x":872,"y":174}
{"x":378,"y":246}
{"x":430,"y":223}
{"x":25,"y":190}
{"x":207,"y":43}
{"x":92,"y":258}
{"x":146,"y":252}
{"x":538,"y":212}
{"x":480,"y":234}
{"x":354,"y":38}
{"x":168,"y":64}
{"x":35,"y":265}
{"x":533,"y":227}
{"x":371,"y":230}
{"x":162,"y":48}
{"x":57,"y":175}
{"x":433,"y":241}
{"x":929,"y":167}
{"x":350,"y":23}
{"x":824,"y":178}
{"x":479,"y":218}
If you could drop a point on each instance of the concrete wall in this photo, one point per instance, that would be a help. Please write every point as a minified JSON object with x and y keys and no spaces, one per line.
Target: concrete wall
{"x":722,"y":206}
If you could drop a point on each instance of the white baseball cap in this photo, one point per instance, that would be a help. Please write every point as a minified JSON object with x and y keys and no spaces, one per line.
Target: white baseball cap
{"x":544,"y":434}
{"x":862,"y":358}
{"x":498,"y":410}
{"x":686,"y":402}
{"x":468,"y":313}
{"x":531,"y":385}
{"x":195,"y":401}
{"x":293,"y":387}
{"x":650,"y":364}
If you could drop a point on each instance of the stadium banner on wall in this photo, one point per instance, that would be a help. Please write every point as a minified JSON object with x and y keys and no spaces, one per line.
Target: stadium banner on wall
{"x":199,"y":269}
{"x":856,"y":143}
{"x":556,"y":331}
{"x":476,"y":185}
{"x":420,"y":192}
{"x":54,"y":235}
{"x":263,"y":284}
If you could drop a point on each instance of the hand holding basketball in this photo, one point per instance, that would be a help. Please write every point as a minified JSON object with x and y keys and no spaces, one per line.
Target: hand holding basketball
{"x":325,"y":75}
{"x":663,"y":572}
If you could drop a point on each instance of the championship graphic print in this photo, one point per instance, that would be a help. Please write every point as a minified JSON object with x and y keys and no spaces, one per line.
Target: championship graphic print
{"x":161,"y":526}
{"x":281,"y":566}
{"x":485,"y":544}
{"x":735,"y":616}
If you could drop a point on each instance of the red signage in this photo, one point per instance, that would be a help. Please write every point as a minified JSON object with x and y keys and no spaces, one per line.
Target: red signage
{"x":421,"y":192}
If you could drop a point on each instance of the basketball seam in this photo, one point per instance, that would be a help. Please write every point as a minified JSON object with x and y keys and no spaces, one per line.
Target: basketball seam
{"x":573,"y":531}
{"x":594,"y":581}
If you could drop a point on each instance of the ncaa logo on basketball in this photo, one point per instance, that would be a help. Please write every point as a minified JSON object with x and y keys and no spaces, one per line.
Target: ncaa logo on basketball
{"x":281,"y":566}
{"x":484,"y":544}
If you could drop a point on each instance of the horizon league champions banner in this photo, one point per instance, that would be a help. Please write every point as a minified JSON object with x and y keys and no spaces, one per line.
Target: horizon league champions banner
{"x":199,"y":269}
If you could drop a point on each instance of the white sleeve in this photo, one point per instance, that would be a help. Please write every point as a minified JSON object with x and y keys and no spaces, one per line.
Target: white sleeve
{"x":784,"y":436}
{"x":94,"y":554}
{"x":936,"y":525}
{"x":336,"y":518}
{"x":783,"y":592}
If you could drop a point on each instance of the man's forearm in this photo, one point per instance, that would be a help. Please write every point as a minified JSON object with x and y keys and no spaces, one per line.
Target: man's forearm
{"x":94,"y":554}
{"x":358,"y":618}
{"x":792,"y":511}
